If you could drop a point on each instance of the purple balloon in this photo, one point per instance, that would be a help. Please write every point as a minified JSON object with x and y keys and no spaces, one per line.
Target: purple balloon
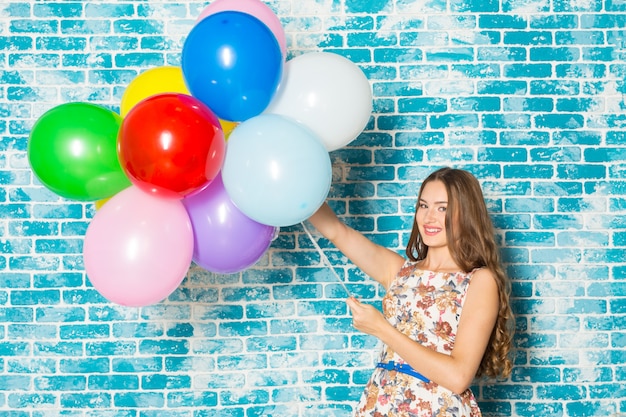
{"x":225,"y":239}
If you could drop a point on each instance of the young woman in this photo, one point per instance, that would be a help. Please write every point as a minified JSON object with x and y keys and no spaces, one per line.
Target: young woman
{"x":446,"y":316}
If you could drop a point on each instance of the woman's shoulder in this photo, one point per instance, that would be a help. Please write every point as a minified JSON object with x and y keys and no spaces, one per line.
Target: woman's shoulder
{"x":484,"y":277}
{"x":481,"y":271}
{"x":406,"y":267}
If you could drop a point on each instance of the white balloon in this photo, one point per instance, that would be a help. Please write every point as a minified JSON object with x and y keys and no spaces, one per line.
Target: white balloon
{"x":326,"y":92}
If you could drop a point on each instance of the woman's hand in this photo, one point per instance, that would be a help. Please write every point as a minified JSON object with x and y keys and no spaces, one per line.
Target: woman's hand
{"x":366,"y":318}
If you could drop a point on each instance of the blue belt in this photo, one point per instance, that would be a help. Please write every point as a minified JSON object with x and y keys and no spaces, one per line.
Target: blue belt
{"x":402,"y":368}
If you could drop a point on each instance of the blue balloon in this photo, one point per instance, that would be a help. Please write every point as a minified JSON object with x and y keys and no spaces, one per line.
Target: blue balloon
{"x":276,"y":171}
{"x":232,"y":62}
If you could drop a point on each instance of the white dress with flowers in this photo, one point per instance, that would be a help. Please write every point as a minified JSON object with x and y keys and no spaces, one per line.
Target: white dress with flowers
{"x":426,"y":306}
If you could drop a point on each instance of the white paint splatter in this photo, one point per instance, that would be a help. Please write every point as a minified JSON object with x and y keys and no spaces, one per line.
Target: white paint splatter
{"x":528,"y":7}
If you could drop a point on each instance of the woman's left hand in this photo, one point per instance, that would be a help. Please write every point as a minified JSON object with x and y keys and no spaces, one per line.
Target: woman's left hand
{"x":365,"y":317}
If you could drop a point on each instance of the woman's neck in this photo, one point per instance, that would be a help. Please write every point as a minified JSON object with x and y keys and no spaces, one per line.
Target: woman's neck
{"x":439,"y":260}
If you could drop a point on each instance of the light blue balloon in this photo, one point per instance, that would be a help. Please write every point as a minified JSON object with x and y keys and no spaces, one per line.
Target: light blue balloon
{"x":276,"y":170}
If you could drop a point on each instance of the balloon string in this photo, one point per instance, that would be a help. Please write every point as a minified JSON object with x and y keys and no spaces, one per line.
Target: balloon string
{"x":324,"y":258}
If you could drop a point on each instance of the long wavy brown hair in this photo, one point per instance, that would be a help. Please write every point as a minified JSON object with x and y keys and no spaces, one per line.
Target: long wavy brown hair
{"x":472,"y":244}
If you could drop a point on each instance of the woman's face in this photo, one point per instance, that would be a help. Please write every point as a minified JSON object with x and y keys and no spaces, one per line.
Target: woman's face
{"x":431,"y":214}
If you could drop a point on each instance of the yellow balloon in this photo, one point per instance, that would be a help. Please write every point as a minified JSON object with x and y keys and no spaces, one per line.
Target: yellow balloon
{"x":100,"y":203}
{"x":158,"y":80}
{"x":227,"y":127}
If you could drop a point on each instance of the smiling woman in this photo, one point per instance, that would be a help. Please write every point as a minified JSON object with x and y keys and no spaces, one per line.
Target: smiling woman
{"x":446,"y":316}
{"x":431,"y":214}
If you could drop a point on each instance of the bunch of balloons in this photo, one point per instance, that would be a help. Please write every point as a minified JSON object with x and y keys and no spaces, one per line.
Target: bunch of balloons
{"x":205,"y":161}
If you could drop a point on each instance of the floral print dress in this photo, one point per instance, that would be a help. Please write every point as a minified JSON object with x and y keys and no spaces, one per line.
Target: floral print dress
{"x":426,"y":306}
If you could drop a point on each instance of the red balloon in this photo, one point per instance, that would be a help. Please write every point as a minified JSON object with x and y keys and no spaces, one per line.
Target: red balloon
{"x":171,"y":145}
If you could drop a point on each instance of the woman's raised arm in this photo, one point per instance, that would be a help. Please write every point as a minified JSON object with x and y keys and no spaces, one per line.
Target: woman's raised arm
{"x":374,"y":260}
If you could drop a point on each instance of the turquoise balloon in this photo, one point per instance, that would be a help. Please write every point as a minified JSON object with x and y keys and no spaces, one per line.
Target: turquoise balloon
{"x":72,"y":149}
{"x":276,"y":171}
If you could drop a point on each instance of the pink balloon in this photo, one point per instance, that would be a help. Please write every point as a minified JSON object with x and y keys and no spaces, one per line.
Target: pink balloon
{"x":226,"y":240}
{"x":138,"y":248}
{"x":254,"y":8}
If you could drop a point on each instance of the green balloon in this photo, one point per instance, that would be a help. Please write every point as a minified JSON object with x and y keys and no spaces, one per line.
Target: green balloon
{"x":72,"y":149}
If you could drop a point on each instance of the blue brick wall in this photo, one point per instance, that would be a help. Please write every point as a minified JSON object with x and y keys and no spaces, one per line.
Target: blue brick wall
{"x":528,"y":95}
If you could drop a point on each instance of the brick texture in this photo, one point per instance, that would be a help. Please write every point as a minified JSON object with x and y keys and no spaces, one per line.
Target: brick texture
{"x":529,"y":95}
